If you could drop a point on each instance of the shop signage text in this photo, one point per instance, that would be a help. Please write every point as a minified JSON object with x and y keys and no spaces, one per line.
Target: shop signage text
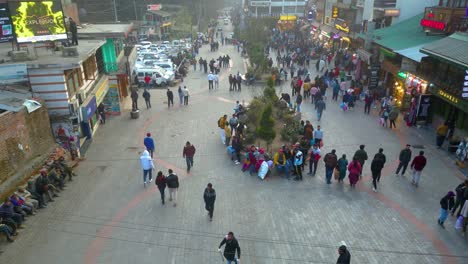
{"x":432,"y":24}
{"x":341,"y":24}
{"x":335,"y":12}
{"x":449,"y":97}
{"x":153,"y":7}
{"x":259,"y":3}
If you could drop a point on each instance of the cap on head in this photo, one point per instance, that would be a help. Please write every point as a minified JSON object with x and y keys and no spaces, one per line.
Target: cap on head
{"x":450,"y":194}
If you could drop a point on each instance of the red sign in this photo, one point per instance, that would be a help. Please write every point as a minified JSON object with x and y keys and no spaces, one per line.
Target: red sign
{"x":432,"y":24}
{"x":153,"y":7}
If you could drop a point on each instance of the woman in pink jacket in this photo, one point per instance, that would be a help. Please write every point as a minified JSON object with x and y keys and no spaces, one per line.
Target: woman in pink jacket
{"x":354,"y":169}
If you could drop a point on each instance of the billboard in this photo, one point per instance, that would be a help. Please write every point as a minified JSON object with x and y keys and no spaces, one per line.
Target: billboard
{"x":6,"y":30}
{"x":37,"y":21}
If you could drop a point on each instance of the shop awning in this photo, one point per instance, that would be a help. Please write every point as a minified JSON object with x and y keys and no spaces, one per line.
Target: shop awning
{"x":412,"y":53}
{"x":453,"y":49}
{"x":403,"y":35}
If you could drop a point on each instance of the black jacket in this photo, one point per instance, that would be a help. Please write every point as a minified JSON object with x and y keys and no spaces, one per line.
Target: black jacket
{"x":405,"y":155}
{"x":381,"y":156}
{"x":230,"y":248}
{"x":377,"y":165}
{"x":209,"y":196}
{"x":172,"y":181}
{"x":344,"y":258}
{"x":447,"y":202}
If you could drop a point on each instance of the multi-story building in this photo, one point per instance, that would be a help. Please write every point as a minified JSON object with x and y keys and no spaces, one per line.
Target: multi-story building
{"x":277,"y":7}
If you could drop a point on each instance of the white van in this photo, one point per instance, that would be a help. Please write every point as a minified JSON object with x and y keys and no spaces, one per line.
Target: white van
{"x":162,"y":77}
{"x":168,"y":66}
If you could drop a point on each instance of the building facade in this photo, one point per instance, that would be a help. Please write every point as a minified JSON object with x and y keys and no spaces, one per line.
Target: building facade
{"x":276,"y":8}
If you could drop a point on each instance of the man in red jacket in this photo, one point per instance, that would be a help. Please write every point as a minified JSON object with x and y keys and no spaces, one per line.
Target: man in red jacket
{"x":418,"y":164}
{"x":188,"y":153}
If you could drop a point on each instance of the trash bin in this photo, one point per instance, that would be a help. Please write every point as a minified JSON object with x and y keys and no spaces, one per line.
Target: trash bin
{"x":135,"y":114}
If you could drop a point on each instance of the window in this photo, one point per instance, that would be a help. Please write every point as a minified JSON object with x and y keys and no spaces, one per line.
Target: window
{"x":74,"y":80}
{"x":90,"y":68}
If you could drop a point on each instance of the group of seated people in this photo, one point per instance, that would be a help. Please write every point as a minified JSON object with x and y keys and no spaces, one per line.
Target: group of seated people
{"x":27,"y":200}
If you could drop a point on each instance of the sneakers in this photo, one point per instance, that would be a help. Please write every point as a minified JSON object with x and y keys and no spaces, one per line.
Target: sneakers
{"x":144,"y":184}
{"x":151,"y":180}
{"x":236,"y":162}
{"x":374,"y":189}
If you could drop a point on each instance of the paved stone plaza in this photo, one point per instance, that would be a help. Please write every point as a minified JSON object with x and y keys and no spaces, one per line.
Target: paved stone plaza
{"x":106,"y":216}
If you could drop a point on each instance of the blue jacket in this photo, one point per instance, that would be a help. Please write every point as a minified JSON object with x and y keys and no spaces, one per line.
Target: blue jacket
{"x":149,"y":143}
{"x":298,"y":158}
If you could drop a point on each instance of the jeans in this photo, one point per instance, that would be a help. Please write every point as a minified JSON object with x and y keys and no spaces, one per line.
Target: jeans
{"x":402,"y":165}
{"x":328,"y":173}
{"x":151,"y":152}
{"x":443,"y":215}
{"x":210,"y":208}
{"x":416,"y":176}
{"x":280,"y":168}
{"x":161,"y":191}
{"x":189,"y":161}
{"x":232,"y":261}
{"x":335,"y":96}
{"x":252,"y":168}
{"x":210,"y":85}
{"x":319,"y":115}
{"x":148,"y":104}
{"x":145,"y":173}
{"x":314,"y":164}
{"x":181,"y":100}
{"x":440,"y":140}
{"x":392,"y":123}
{"x":298,"y":108}
{"x":367,"y":108}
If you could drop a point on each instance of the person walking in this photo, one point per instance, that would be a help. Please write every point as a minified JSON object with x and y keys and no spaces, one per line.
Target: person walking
{"x":462,"y":195}
{"x":149,"y":144}
{"x":161,"y":184}
{"x":446,"y":204}
{"x":222,"y":122}
{"x":187,"y":154}
{"x":146,"y":95}
{"x":314,"y":158}
{"x":102,"y":113}
{"x":355,"y":169}
{"x":228,"y":134}
{"x":147,"y":165}
{"x":186,"y":95}
{"x":170,"y":98}
{"x":210,"y":80}
{"x":377,"y":165}
{"x":298,"y":102}
{"x":173,"y":185}
{"x":367,"y":103}
{"x":392,"y":116}
{"x":318,"y":136}
{"x":405,"y":157}
{"x":344,"y":255}
{"x":147,"y":80}
{"x":232,"y":246}
{"x":361,"y":156}
{"x":298,"y":160}
{"x":418,"y":164}
{"x":216,"y":80}
{"x":441,"y":133}
{"x":320,"y":106}
{"x":342,"y":166}
{"x":331,"y":161}
{"x":181,"y":95}
{"x":209,"y":196}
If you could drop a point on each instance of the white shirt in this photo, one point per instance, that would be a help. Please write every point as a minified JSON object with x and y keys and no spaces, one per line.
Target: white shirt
{"x":186,"y":92}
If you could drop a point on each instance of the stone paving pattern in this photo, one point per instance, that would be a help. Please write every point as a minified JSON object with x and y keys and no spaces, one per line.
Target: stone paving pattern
{"x":106,"y":216}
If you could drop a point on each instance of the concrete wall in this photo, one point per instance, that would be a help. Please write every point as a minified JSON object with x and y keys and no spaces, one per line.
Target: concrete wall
{"x":24,"y":137}
{"x":411,"y":8}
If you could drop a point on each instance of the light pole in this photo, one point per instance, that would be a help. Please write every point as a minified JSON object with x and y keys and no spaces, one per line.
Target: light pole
{"x":115,"y":12}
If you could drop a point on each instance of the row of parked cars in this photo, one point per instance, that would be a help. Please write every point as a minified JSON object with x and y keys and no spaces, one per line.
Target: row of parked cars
{"x":154,"y":60}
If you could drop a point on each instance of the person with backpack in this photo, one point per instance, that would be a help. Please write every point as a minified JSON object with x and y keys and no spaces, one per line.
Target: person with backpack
{"x":232,"y":246}
{"x":446,"y":204}
{"x":209,"y":196}
{"x":222,"y":122}
{"x":161,"y":184}
{"x":331,"y":161}
{"x":173,"y":185}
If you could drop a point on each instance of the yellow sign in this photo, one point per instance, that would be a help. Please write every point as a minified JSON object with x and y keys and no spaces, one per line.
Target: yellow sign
{"x":335,"y":12}
{"x":346,"y":39}
{"x":344,"y":27}
{"x":101,"y":91}
{"x":168,"y":24}
{"x":288,"y":18}
{"x":448,"y":97}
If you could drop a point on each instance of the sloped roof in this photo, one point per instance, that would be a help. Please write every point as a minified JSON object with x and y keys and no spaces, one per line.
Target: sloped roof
{"x":453,"y":48}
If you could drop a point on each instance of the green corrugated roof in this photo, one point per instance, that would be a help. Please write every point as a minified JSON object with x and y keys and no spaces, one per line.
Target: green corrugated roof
{"x":453,"y":49}
{"x":406,"y":34}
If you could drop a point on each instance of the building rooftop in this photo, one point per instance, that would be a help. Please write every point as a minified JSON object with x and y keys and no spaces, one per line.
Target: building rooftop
{"x":453,"y":49}
{"x":42,"y":57}
{"x":12,"y":99}
{"x":105,"y":30}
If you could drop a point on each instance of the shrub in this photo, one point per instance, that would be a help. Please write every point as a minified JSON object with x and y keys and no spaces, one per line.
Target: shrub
{"x":255,"y":107}
{"x":266,"y":125}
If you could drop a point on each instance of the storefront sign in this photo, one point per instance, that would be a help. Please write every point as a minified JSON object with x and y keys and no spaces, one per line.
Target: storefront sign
{"x":102,"y":90}
{"x":465,"y":82}
{"x":88,"y":108}
{"x":402,"y":75}
{"x":374,"y":76}
{"x":392,"y":12}
{"x":439,"y":25}
{"x":260,"y":3}
{"x":449,"y":97}
{"x":153,"y":7}
{"x":342,"y":25}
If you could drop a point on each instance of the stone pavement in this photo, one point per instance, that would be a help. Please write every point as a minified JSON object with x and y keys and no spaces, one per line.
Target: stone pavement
{"x":106,"y":216}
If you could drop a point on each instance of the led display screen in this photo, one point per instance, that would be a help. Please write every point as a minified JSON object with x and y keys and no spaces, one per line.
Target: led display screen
{"x":38,"y":21}
{"x":6,"y":30}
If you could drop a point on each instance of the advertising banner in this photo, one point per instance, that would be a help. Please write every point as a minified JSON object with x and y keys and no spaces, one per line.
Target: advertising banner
{"x":38,"y":21}
{"x":6,"y":32}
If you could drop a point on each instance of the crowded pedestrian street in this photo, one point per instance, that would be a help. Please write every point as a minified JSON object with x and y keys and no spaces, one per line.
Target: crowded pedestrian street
{"x":107,"y":215}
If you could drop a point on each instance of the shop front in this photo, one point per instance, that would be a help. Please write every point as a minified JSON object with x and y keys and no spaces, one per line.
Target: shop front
{"x":449,"y":106}
{"x":101,"y":90}
{"x":89,"y":116}
{"x":286,"y":23}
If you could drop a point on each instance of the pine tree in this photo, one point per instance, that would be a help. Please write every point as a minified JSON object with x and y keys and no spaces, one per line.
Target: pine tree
{"x":265,"y":128}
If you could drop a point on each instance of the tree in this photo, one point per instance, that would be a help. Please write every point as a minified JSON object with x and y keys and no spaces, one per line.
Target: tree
{"x":265,"y":128}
